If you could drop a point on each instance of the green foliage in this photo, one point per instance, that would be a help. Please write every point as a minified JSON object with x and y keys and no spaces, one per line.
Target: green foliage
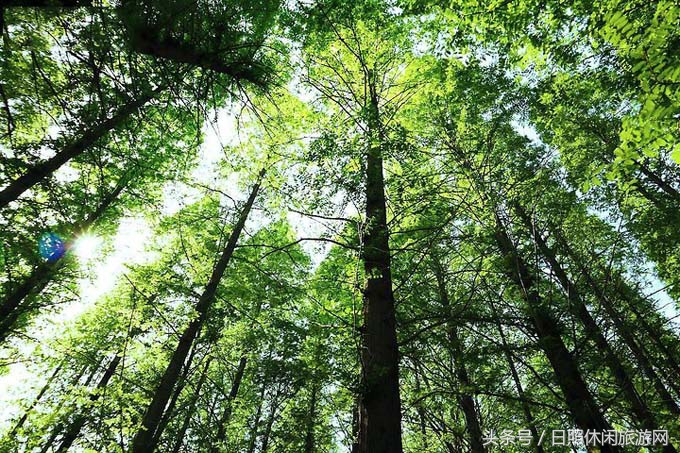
{"x":476,"y":113}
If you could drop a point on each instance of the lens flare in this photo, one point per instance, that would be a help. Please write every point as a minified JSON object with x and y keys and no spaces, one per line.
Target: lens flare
{"x":51,"y":247}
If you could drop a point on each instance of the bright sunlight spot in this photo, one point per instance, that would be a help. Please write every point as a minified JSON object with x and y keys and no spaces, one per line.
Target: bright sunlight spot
{"x":87,"y":246}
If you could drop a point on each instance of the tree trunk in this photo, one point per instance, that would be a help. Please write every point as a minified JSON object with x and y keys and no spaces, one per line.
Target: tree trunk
{"x":579,"y":400}
{"x":76,"y":426}
{"x":252,"y":440}
{"x":531,"y":422}
{"x":226,"y":415}
{"x":466,"y":401}
{"x":379,"y":402}
{"x":640,"y":409}
{"x":420,"y":410}
{"x":43,"y":170}
{"x":75,"y":382}
{"x":311,"y":420}
{"x":143,"y":440}
{"x":658,"y":181}
{"x":190,"y":409}
{"x":266,"y":436}
{"x":655,"y":333}
{"x":169,"y":410}
{"x":621,"y":328}
{"x":37,"y":399}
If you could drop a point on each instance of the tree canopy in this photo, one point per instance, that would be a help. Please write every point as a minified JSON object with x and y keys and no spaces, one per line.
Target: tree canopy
{"x":325,"y":226}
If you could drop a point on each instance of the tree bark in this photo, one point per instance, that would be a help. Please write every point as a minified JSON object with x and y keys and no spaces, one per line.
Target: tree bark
{"x":379,"y":402}
{"x":465,"y":399}
{"x":143,"y":440}
{"x":420,"y":410}
{"x":179,"y":438}
{"x":311,"y":420}
{"x":252,"y":439}
{"x":37,"y":399}
{"x":59,"y":427}
{"x":73,"y":431}
{"x":43,"y":170}
{"x":528,"y":415}
{"x":656,"y":333}
{"x":226,"y":414}
{"x":624,"y":381}
{"x":658,"y":181}
{"x":621,"y":328}
{"x":580,"y":401}
{"x":169,"y":410}
{"x":266,"y":436}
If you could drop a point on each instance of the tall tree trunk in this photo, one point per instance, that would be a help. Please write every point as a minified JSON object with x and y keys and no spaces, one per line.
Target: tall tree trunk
{"x":226,"y":414}
{"x":621,"y":328}
{"x":143,"y":440}
{"x":266,"y":436}
{"x":379,"y":402}
{"x":655,"y":333}
{"x":579,"y":400}
{"x":43,"y":170}
{"x":311,"y":420}
{"x":355,"y":426}
{"x":658,"y":181}
{"x":466,"y":401}
{"x":528,"y":415}
{"x":41,"y":275}
{"x":73,"y":431}
{"x":420,"y":410}
{"x":179,"y":437}
{"x":252,"y":438}
{"x":640,"y":409}
{"x":169,"y":410}
{"x":60,"y":426}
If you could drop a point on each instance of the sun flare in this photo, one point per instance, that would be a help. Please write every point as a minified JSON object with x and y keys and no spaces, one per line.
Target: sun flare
{"x":87,"y":246}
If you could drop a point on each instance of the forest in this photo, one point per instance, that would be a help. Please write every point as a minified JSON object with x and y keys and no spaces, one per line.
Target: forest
{"x":318,"y":226}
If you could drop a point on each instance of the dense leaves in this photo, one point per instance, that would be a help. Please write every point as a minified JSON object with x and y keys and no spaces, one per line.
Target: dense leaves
{"x":372,"y":227}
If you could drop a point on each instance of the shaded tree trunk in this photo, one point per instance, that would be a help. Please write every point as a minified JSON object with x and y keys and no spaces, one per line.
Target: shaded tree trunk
{"x":579,"y":400}
{"x":621,"y":328}
{"x":43,"y":170}
{"x":169,"y":410}
{"x":311,"y":420}
{"x":639,"y":408}
{"x":179,"y":437}
{"x":379,"y":402}
{"x":143,"y":440}
{"x":60,"y":426}
{"x":420,"y":410}
{"x":37,"y":399}
{"x":226,"y":414}
{"x":266,"y":436}
{"x":466,"y":401}
{"x":656,"y":333}
{"x":252,"y":439}
{"x":658,"y":181}
{"x":76,"y":426}
{"x":531,"y":422}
